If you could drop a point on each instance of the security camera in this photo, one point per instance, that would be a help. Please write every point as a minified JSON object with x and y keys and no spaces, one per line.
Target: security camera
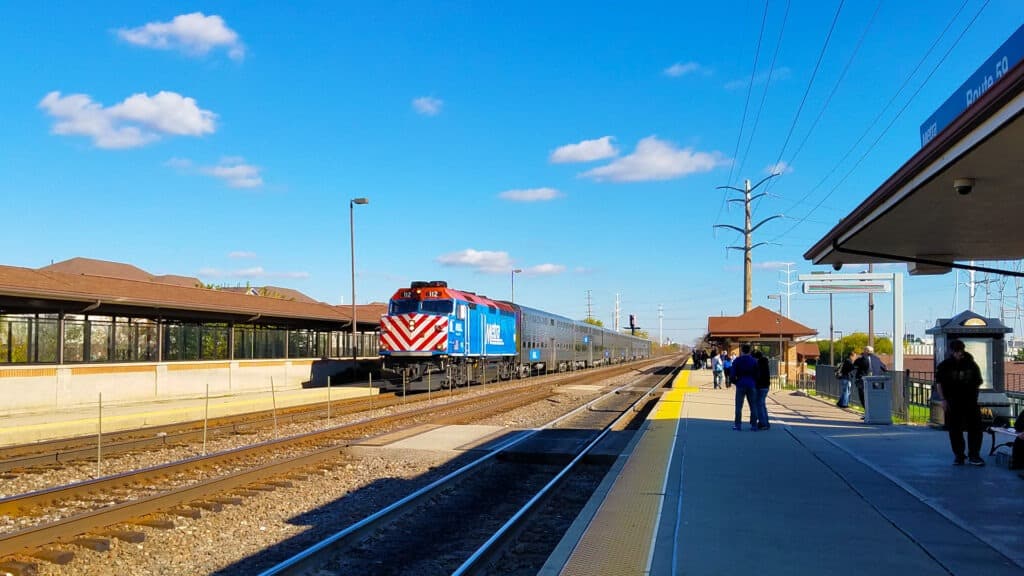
{"x":963,"y":186}
{"x":837,"y":266}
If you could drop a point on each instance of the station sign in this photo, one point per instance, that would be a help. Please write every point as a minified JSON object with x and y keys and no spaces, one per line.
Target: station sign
{"x":856,"y":287}
{"x":998,"y":64}
{"x":586,"y":339}
{"x":534,"y":355}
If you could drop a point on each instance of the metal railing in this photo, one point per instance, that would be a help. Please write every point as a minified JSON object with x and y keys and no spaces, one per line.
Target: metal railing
{"x":911,"y":392}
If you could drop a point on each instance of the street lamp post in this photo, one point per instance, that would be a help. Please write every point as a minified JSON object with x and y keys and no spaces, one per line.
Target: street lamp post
{"x":352,"y":237}
{"x":514,"y":272}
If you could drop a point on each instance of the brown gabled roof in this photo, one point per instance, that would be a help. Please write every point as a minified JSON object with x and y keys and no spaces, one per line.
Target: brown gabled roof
{"x":270,"y":292}
{"x":808,"y":349}
{"x":93,"y":267}
{"x":366,"y":313}
{"x":759,"y":322}
{"x":105,"y":268}
{"x":185,"y":281}
{"x":106,"y":295}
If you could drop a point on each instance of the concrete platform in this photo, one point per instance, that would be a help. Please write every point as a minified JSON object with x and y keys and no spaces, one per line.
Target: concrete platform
{"x":431,"y":437}
{"x":819,"y":493}
{"x":30,"y":427}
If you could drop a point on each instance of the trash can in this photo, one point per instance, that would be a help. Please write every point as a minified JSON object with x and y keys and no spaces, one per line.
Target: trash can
{"x":878,"y":399}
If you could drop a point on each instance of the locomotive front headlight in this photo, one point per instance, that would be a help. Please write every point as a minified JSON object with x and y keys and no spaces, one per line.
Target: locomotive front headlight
{"x":440,"y":346}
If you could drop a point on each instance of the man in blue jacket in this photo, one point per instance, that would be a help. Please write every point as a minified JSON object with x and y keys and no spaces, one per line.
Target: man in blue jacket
{"x":744,"y":375}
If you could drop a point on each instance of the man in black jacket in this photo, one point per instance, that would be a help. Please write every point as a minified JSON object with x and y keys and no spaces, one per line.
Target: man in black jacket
{"x":867,"y":365}
{"x":957,"y":379}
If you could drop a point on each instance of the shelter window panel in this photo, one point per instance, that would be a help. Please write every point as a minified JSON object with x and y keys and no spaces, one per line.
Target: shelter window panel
{"x":124,"y":340}
{"x":101,"y":335}
{"x":213,"y":342}
{"x":74,"y":339}
{"x":146,"y":340}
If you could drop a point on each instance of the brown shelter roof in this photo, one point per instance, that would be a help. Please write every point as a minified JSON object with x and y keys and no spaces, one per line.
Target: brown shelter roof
{"x":808,"y":349}
{"x":759,"y":322}
{"x":271,"y":292}
{"x":27,"y":290}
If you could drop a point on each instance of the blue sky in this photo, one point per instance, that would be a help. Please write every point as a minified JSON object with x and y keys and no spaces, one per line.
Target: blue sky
{"x":580,"y":143}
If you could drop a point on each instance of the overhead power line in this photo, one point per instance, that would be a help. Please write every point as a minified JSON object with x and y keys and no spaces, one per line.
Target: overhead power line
{"x":810,"y":82}
{"x":746,"y":104}
{"x":768,"y":83}
{"x":891,"y":122}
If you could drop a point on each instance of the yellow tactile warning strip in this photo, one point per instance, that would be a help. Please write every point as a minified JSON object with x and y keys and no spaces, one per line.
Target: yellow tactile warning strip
{"x":618,"y":540}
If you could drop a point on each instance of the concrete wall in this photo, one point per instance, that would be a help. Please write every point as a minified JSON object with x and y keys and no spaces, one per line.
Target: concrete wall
{"x":35,"y":388}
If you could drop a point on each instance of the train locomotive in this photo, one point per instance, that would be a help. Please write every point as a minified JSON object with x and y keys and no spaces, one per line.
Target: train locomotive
{"x":434,"y":336}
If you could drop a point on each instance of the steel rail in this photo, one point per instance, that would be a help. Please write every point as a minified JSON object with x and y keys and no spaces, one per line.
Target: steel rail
{"x":310,"y":557}
{"x":64,"y":529}
{"x":488,"y":549}
{"x":63,"y":450}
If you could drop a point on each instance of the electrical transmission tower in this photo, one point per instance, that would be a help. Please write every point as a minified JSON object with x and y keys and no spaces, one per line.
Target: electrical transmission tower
{"x":589,"y":308}
{"x":747,"y":231}
{"x":788,"y":293}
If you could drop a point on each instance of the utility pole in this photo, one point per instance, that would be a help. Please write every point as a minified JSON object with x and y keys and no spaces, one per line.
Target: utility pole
{"x":661,"y":339}
{"x":871,"y":313}
{"x":616,"y":319}
{"x":747,"y":230}
{"x":789,"y":286}
{"x":589,"y":309}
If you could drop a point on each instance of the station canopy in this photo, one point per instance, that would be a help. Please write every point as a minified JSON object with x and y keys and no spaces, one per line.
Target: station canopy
{"x":917,"y":216}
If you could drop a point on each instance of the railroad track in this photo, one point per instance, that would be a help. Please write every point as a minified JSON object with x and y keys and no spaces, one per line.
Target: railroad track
{"x":449,"y":526}
{"x":43,"y":456}
{"x":110,"y":501}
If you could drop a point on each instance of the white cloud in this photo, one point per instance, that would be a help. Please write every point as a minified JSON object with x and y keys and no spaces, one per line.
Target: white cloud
{"x":253,"y":272}
{"x":779,"y":74}
{"x":544,"y":270}
{"x":770,"y":265}
{"x":137,"y":121}
{"x":656,"y":159}
{"x":241,"y":254}
{"x":585,"y":151}
{"x":781,"y":168}
{"x":481,"y":260}
{"x":193,"y":34}
{"x":235,"y":173}
{"x":428,"y":106}
{"x":681,"y":69}
{"x":531,"y":195}
{"x":232,"y":170}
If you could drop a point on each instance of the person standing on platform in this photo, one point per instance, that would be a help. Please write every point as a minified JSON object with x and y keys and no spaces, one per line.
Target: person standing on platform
{"x":957,"y":380}
{"x":764,"y":383}
{"x":867,"y":365}
{"x":717,"y":370}
{"x":845,"y":373}
{"x":727,"y":368}
{"x":744,"y":376}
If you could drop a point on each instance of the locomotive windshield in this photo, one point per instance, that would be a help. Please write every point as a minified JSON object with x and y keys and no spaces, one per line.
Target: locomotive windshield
{"x":403,"y":306}
{"x":437,"y":306}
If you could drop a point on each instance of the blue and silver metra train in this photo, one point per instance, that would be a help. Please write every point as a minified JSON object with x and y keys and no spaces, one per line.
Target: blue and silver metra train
{"x":434,"y":335}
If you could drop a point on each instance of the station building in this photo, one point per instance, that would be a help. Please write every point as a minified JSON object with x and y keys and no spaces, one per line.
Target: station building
{"x":79,"y":328}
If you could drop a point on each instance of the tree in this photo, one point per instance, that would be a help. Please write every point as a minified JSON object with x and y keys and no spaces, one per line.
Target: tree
{"x":593,"y":322}
{"x":1019,"y":356}
{"x":854,"y":342}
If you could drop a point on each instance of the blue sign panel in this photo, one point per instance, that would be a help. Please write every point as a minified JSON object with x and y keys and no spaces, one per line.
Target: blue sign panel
{"x":999,"y":63}
{"x":607,"y":354}
{"x":534,"y":355}
{"x":586,"y":339}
